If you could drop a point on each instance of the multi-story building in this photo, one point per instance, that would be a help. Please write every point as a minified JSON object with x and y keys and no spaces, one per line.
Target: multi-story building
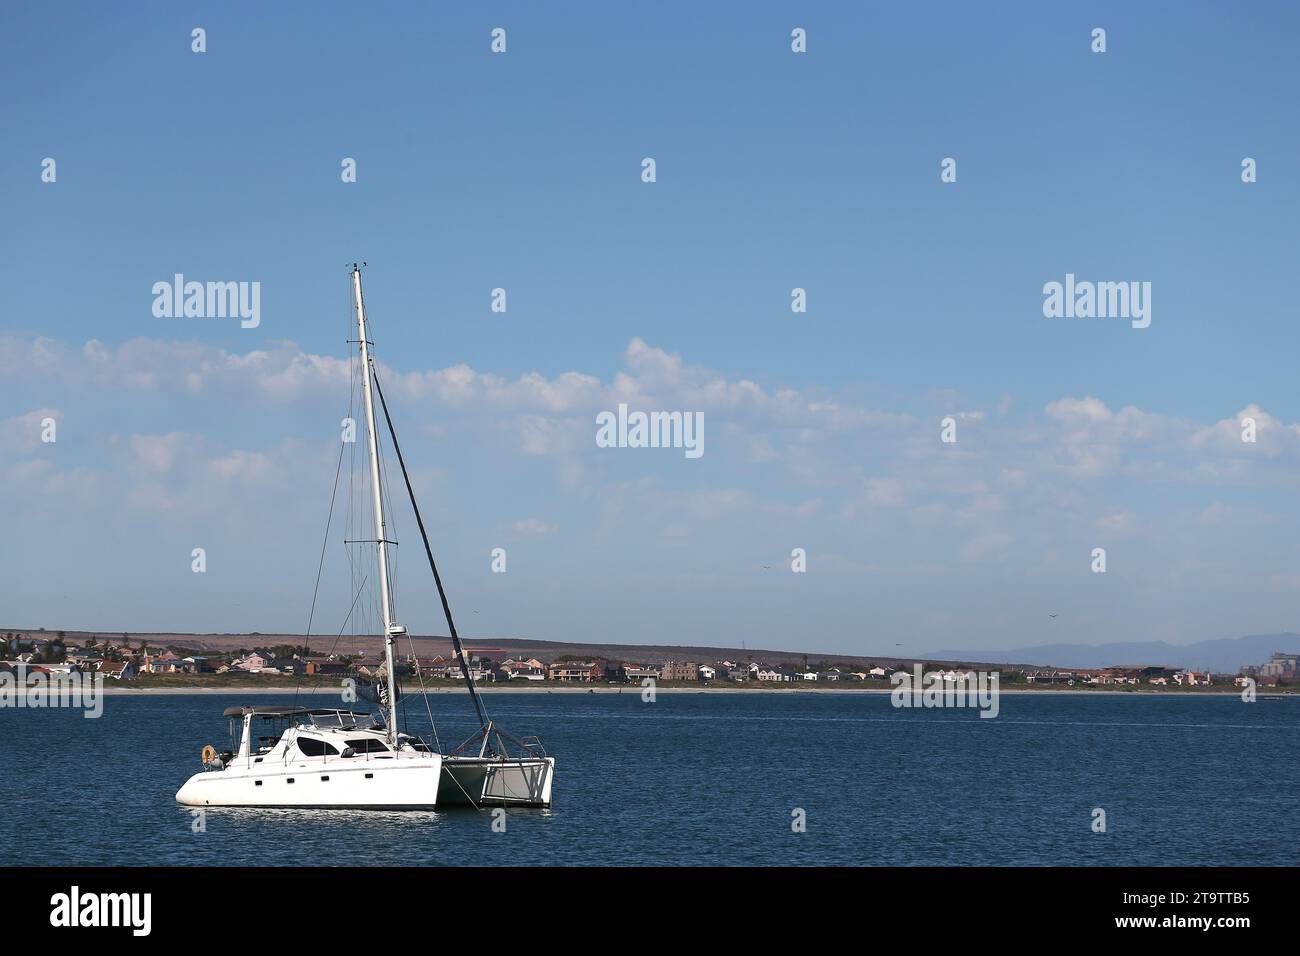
{"x":576,"y":671}
{"x":680,"y":670}
{"x":1281,"y":665}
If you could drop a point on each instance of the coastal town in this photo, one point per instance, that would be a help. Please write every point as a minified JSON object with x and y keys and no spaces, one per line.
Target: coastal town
{"x":137,"y":661}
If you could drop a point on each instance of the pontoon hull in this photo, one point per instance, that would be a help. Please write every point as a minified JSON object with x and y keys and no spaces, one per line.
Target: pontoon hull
{"x":344,"y":783}
{"x":484,"y":781}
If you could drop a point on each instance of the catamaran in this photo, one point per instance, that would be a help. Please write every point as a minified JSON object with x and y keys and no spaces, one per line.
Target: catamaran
{"x":318,"y":757}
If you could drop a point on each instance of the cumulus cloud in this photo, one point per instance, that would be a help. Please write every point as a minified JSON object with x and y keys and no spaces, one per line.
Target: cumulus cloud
{"x":857,"y":460}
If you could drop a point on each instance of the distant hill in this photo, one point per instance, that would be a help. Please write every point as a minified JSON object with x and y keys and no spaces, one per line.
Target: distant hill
{"x":498,"y":648}
{"x":1223,"y":655}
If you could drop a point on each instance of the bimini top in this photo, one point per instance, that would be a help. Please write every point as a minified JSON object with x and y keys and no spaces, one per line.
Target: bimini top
{"x":268,"y":711}
{"x":290,"y":712}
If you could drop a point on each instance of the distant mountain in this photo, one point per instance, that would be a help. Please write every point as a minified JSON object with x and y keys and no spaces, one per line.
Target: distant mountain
{"x":1224,"y":655}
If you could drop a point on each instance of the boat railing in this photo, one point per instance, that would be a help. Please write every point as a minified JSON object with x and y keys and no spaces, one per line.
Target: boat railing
{"x":483,"y":737}
{"x":533,"y":744}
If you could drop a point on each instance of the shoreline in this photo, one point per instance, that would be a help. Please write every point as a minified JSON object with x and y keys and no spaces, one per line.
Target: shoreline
{"x":333,"y":692}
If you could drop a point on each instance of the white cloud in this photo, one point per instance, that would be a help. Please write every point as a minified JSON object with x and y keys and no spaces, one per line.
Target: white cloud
{"x":857,"y":462}
{"x":22,"y":434}
{"x":534,"y":526}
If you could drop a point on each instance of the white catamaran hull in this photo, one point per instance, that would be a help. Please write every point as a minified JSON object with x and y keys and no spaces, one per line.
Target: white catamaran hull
{"x":383,"y":784}
{"x":485,"y":781}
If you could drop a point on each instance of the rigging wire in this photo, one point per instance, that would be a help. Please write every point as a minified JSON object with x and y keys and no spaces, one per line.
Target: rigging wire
{"x":437,"y":578}
{"x":311,"y":616}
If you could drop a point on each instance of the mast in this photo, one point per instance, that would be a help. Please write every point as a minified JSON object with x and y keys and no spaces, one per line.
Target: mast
{"x":391,"y":628}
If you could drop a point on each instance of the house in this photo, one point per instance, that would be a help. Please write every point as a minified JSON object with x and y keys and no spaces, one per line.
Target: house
{"x":767,"y":674}
{"x":810,"y":675}
{"x":878,"y":673}
{"x":707,"y":673}
{"x":1085,"y":675}
{"x":1050,"y":677}
{"x":615,"y":673}
{"x":576,"y":671}
{"x":638,"y":672}
{"x":530,"y":669}
{"x":120,"y":670}
{"x":482,"y":669}
{"x":312,"y":666}
{"x":680,"y":670}
{"x":439,"y":668}
{"x":368,"y":666}
{"x":167,"y":663}
{"x":738,"y":674}
{"x":252,"y":664}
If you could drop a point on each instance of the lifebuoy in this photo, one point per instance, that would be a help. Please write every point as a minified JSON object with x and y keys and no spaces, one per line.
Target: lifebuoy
{"x":209,"y":754}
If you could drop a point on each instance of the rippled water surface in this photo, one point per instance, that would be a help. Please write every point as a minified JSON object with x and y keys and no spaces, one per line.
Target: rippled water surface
{"x":707,"y":779}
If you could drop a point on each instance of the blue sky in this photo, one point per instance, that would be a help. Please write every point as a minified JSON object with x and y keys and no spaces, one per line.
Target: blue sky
{"x":775,"y":170}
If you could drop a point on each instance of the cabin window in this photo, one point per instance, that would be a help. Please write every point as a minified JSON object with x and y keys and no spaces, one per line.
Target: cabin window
{"x":368,"y":745}
{"x":316,"y":748}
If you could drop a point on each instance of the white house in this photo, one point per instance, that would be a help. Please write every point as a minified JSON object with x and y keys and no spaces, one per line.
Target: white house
{"x":120,"y":670}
